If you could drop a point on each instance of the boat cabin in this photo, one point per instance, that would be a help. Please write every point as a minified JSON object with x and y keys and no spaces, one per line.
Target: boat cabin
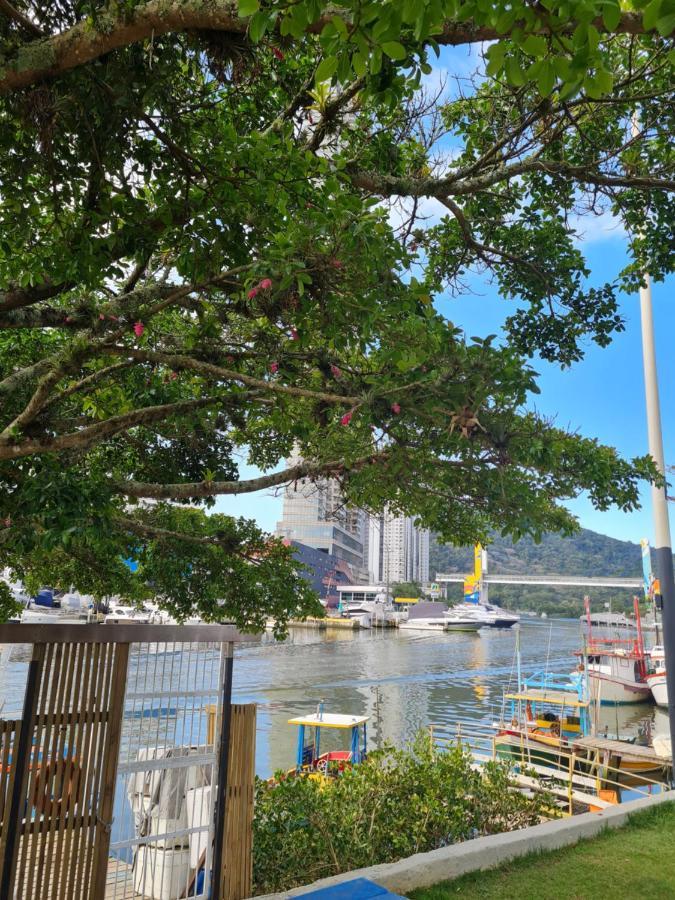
{"x":332,"y":762}
{"x":551,"y":711}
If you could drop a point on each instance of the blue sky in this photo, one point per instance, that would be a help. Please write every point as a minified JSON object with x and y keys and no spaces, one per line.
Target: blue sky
{"x":602,"y":396}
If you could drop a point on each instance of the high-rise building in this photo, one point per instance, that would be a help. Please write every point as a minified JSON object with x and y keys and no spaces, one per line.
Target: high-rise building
{"x":314,"y":513}
{"x":398,"y":549}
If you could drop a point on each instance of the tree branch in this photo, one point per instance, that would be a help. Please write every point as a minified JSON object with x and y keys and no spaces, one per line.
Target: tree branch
{"x":178,"y":361}
{"x":95,"y":434}
{"x":17,"y":16}
{"x":203,"y":489}
{"x":457,"y":185}
{"x":85,"y":42}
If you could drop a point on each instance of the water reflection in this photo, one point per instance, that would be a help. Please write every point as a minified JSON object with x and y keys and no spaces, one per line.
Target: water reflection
{"x":404,"y":681}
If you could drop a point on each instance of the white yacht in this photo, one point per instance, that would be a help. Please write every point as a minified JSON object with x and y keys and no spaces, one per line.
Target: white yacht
{"x":436,"y":617}
{"x":486,"y":614}
{"x":127,"y":615}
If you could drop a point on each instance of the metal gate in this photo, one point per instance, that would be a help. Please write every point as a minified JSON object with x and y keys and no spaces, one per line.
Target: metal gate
{"x":111,"y":778}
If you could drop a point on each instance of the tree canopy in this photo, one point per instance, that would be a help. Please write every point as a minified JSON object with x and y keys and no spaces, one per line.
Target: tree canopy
{"x":215,"y":246}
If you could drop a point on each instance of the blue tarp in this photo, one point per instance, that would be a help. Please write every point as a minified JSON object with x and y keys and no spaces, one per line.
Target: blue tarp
{"x":356,"y":889}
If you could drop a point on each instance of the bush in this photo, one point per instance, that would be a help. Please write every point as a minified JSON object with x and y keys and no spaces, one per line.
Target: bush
{"x":397,"y":803}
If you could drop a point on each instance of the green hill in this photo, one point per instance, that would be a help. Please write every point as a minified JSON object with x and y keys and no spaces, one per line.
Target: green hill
{"x":586,"y":553}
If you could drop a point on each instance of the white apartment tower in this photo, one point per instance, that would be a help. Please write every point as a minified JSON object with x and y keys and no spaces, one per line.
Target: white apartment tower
{"x":398,"y":549}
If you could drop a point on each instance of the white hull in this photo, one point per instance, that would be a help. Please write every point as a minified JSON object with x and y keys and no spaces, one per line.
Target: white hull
{"x":462,"y":626}
{"x":609,"y":689}
{"x":444,"y":624}
{"x":659,"y":688}
{"x":38,"y":616}
{"x":423,"y":625}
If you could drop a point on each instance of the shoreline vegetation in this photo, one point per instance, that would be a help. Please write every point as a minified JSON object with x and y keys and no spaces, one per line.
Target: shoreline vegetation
{"x":633,"y":861}
{"x":395,"y":804}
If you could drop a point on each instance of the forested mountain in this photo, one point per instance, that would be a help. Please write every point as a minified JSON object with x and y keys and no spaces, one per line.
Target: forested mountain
{"x":586,"y":553}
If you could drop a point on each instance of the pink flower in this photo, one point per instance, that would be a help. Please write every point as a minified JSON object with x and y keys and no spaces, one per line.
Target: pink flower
{"x":346,"y":419}
{"x":173,"y":376}
{"x":101,"y":316}
{"x":265,"y":284}
{"x":294,"y":335}
{"x":336,"y":372}
{"x":277,"y":52}
{"x":253,"y":292}
{"x":139,"y":328}
{"x":395,"y":408}
{"x":336,"y":263}
{"x":274,"y":367}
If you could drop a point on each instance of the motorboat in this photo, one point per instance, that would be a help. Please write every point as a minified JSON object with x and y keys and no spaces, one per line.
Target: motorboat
{"x":49,"y":607}
{"x":503,"y":618}
{"x":656,"y":676}
{"x":430,"y":616}
{"x":121,"y":614}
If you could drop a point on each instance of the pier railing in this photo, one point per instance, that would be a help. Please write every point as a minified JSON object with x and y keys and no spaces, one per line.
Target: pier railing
{"x":127,"y":772}
{"x":574,"y":777}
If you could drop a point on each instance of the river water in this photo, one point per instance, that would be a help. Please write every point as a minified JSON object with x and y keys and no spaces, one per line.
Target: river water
{"x":403,"y":680}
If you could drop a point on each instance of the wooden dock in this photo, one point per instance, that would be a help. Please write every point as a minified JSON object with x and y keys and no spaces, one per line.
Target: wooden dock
{"x":622,"y":751}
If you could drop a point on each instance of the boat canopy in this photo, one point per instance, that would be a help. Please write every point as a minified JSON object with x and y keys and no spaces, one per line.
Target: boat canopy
{"x":329,"y":720}
{"x":553,"y":697}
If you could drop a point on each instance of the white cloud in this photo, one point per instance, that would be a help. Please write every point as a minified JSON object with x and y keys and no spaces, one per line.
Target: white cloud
{"x":591,"y":229}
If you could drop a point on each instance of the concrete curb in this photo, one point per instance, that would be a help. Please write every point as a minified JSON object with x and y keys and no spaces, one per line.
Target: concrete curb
{"x":427,"y":869}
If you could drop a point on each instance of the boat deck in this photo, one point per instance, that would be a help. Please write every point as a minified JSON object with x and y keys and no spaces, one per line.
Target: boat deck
{"x":620,"y":748}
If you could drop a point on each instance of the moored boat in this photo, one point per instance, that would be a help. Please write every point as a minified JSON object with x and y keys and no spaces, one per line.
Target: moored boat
{"x":656,"y":678}
{"x":429,"y":616}
{"x":617,"y":667}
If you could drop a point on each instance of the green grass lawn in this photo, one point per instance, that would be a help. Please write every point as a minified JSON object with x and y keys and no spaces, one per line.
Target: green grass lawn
{"x":636,"y":861}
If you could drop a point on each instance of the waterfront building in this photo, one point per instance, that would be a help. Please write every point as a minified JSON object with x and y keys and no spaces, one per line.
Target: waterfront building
{"x":398,"y":550}
{"x":325,"y":572}
{"x":315,"y":514}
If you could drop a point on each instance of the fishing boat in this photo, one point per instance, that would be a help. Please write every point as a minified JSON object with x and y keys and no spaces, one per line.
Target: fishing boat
{"x":330,"y":763}
{"x":617,"y":667}
{"x":546,"y":713}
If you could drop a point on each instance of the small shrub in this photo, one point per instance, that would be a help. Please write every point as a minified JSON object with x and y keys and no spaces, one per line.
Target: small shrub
{"x":397,"y":803}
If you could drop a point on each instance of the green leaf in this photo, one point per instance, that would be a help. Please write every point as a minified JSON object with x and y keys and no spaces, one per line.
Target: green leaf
{"x":394,"y":50}
{"x":666,"y":25}
{"x":651,"y":14}
{"x":248,"y":7}
{"x":535,"y":45}
{"x":326,"y":69}
{"x":258,"y":26}
{"x":359,"y":63}
{"x":340,"y":27}
{"x":611,"y":15}
{"x":514,"y":73}
{"x":546,"y":78}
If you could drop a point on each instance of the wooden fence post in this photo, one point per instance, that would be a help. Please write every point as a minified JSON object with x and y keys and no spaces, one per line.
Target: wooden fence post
{"x":236,"y":872}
